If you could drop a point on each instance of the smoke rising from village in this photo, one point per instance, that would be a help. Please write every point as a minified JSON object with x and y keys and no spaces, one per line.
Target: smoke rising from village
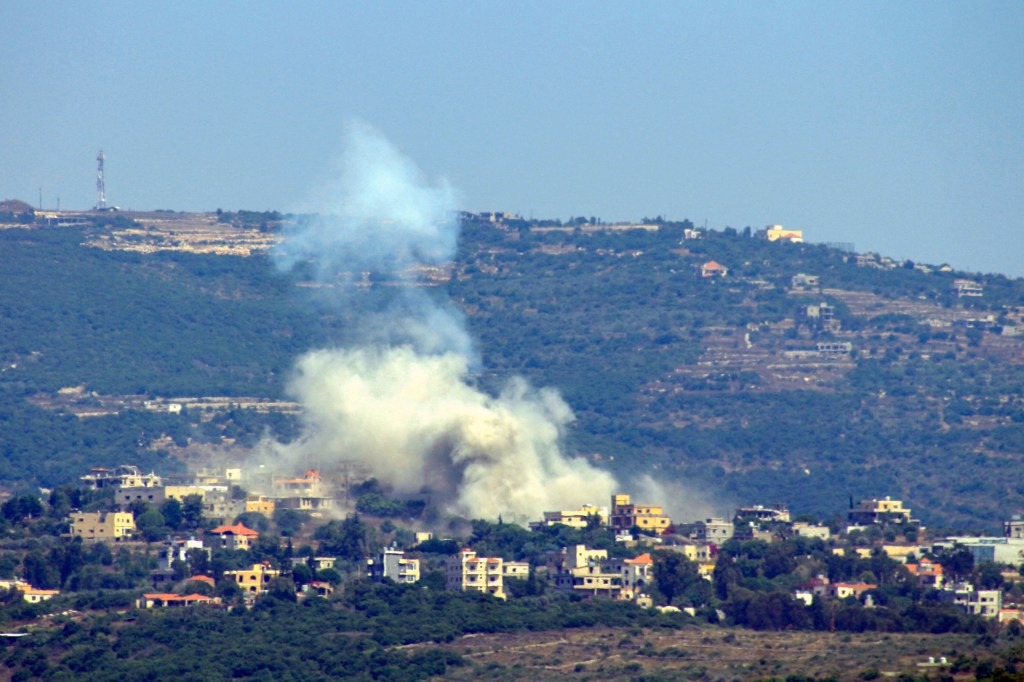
{"x":398,"y":396}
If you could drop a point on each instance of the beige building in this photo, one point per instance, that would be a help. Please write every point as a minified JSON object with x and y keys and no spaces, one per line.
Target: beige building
{"x":625,"y":515}
{"x":576,"y":518}
{"x":102,"y":525}
{"x":157,"y":495}
{"x":466,"y":572}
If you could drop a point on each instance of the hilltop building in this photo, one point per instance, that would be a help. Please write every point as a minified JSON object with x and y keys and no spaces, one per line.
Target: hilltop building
{"x":775,"y":233}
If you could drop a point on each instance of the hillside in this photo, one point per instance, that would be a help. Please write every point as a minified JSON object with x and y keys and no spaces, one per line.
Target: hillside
{"x":718,"y":382}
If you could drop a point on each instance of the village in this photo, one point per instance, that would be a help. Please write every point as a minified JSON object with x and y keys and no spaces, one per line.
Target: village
{"x":641,"y":555}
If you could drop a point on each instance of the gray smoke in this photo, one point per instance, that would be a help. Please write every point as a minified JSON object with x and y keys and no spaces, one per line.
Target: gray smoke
{"x":400,"y":398}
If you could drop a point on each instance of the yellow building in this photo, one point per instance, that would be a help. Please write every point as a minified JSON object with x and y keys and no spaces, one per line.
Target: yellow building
{"x":625,"y":515}
{"x":102,"y":525}
{"x":260,"y":505}
{"x":774,"y":233}
{"x":253,"y":580}
{"x":466,"y":572}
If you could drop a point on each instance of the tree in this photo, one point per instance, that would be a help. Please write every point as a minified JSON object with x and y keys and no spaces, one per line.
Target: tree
{"x":171,"y":510}
{"x":675,"y":574}
{"x":152,"y":525}
{"x":990,"y":576}
{"x":192,"y":511}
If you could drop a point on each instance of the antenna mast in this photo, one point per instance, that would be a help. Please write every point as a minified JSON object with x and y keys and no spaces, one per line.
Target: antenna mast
{"x":101,"y":188}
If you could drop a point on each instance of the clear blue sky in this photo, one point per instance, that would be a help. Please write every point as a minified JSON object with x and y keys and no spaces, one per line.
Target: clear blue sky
{"x":894,"y":125}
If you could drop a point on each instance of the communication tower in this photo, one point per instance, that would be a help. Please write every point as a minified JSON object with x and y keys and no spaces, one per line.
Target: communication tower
{"x":101,"y":188}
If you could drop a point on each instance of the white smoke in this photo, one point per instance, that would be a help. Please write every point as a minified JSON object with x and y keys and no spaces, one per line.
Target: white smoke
{"x":400,"y":398}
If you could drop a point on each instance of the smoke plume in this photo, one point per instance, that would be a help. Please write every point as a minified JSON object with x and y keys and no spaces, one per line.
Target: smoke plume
{"x":398,"y":395}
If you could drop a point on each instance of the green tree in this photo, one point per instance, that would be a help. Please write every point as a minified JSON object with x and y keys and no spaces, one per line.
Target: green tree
{"x":675,"y":574}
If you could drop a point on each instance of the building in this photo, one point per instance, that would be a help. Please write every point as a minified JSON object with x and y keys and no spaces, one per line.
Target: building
{"x":219,"y":505}
{"x":855,"y":590}
{"x":874,"y":511}
{"x":583,"y":571}
{"x":823,"y":314}
{"x":967,"y":288}
{"x":715,"y":529}
{"x":102,"y":525}
{"x":635,"y":573}
{"x":576,"y":518}
{"x":775,"y":513}
{"x":1014,"y":528}
{"x":157,"y":495}
{"x":317,"y":563}
{"x":999,"y":550}
{"x":802,"y":282}
{"x":34,"y":595}
{"x":163,"y":600}
{"x":392,"y":564}
{"x":806,"y":530}
{"x":124,"y":476}
{"x":233,"y":537}
{"x":775,"y":233}
{"x":466,"y":572}
{"x":713,"y":269}
{"x":516,"y":569}
{"x":625,"y":515}
{"x":254,"y":580}
{"x":927,"y":573}
{"x":260,"y":505}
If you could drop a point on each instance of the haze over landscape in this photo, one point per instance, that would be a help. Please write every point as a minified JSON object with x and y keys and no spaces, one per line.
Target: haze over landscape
{"x":892,"y":126}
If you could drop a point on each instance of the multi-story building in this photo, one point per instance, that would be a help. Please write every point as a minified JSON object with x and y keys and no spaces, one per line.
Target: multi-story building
{"x":626,"y":515}
{"x":884,"y":511}
{"x":927,"y":573}
{"x":124,"y":476}
{"x":233,"y":537}
{"x":466,"y":572}
{"x":102,"y":525}
{"x":157,"y":495}
{"x":576,"y":518}
{"x":391,"y":563}
{"x":775,"y":513}
{"x":261,"y":505}
{"x":715,"y":529}
{"x":254,"y":580}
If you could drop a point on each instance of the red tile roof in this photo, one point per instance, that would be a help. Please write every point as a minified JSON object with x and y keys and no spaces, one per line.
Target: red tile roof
{"x":237,"y":529}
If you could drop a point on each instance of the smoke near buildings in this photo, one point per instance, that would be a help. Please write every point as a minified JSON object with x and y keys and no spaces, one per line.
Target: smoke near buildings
{"x":398,"y":395}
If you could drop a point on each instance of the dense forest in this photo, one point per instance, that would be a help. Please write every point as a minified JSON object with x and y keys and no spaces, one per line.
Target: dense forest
{"x":620,"y":321}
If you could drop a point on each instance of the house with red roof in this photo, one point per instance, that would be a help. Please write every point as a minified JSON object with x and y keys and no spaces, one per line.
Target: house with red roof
{"x":163,"y":600}
{"x":234,"y":537}
{"x":713,"y":269}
